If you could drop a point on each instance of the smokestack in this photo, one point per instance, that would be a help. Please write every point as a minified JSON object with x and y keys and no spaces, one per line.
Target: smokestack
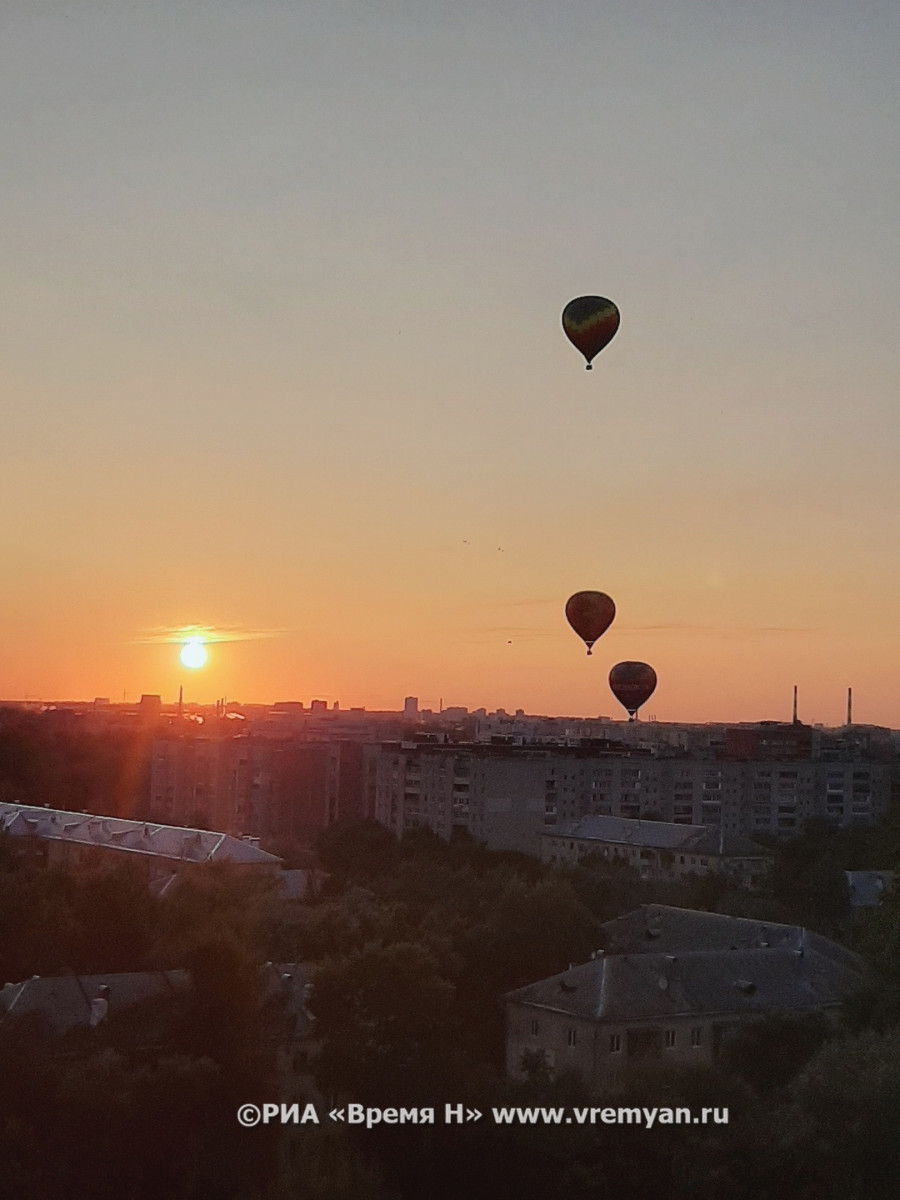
{"x":795,"y":704}
{"x":849,"y":705}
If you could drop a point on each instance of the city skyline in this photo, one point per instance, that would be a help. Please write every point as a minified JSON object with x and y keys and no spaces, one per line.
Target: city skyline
{"x":410,"y":707}
{"x":283,"y":355}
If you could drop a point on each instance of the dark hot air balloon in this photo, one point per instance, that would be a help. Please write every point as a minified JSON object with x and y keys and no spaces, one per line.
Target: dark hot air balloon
{"x":632,"y":684}
{"x":590,"y":614}
{"x":590,"y":323}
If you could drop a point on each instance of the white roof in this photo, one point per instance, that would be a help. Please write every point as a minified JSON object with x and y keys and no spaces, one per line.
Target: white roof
{"x":135,"y":837}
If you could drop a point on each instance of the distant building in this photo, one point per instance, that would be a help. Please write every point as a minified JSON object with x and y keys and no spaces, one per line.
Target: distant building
{"x":500,"y":798}
{"x":659,"y":849}
{"x":149,"y":709}
{"x":509,"y":795}
{"x":270,"y":786}
{"x":769,"y":741}
{"x":669,"y":989}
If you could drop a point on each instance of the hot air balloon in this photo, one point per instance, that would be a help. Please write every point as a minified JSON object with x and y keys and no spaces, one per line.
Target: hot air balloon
{"x":590,"y":614}
{"x":590,"y":323}
{"x":632,"y":684}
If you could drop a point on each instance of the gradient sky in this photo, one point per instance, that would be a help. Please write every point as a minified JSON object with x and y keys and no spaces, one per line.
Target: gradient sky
{"x":281,"y":351}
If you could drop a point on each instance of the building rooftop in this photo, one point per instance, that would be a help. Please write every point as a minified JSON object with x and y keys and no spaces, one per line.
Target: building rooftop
{"x":658,"y":835}
{"x":133,"y":837}
{"x":663,"y":928}
{"x":637,"y":986}
{"x":664,"y":961}
{"x":66,"y":1002}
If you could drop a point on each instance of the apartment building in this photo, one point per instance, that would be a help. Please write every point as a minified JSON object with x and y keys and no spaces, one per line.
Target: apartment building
{"x":269,"y":787}
{"x":508,"y":796}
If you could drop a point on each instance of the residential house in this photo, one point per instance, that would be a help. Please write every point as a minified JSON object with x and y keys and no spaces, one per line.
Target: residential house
{"x":659,"y":849}
{"x":670,"y":985}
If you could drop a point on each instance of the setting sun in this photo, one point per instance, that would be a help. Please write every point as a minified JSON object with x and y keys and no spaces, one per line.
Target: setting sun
{"x":193,"y":653}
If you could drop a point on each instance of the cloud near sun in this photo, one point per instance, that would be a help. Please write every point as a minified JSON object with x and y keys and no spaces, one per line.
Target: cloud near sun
{"x":207,"y":634}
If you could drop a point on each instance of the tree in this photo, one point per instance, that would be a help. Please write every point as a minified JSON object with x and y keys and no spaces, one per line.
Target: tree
{"x":842,"y":1123}
{"x":808,"y":879}
{"x":876,"y":1003}
{"x":222,"y":1020}
{"x":769,"y":1051}
{"x":357,"y":852}
{"x":384,"y":1016}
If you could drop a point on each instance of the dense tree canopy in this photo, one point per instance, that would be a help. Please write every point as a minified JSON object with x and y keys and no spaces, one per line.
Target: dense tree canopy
{"x":414,"y":943}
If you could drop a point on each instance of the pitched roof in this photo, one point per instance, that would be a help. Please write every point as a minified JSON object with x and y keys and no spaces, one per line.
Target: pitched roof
{"x":64,"y":1001}
{"x":653,"y":928}
{"x":665,"y":961}
{"x":664,"y":928}
{"x":133,"y":837}
{"x":658,"y":835}
{"x":699,"y":982}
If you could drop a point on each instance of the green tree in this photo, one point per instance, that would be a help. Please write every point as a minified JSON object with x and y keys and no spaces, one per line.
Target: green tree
{"x":357,"y":852}
{"x":769,"y":1051}
{"x":384,"y":1015}
{"x":841,"y":1126}
{"x":222,"y":1017}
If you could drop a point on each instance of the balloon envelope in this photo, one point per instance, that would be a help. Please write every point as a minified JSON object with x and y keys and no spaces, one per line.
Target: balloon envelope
{"x":632,"y":684}
{"x":590,"y":323}
{"x":590,"y":614}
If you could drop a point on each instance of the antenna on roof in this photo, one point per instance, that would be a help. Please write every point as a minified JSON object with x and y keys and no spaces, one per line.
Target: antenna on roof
{"x":795,"y":704}
{"x":849,"y":705}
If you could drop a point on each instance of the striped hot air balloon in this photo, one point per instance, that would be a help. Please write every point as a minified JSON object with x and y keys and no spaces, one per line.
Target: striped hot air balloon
{"x":590,"y":323}
{"x":632,"y":684}
{"x":590,"y":614}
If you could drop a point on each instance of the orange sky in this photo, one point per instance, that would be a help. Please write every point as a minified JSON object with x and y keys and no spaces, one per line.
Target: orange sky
{"x":283,"y":354}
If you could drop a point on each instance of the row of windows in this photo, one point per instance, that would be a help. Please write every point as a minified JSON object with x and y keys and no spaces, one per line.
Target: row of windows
{"x":615,"y":1039}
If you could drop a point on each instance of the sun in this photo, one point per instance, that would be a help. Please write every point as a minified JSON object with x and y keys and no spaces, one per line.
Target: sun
{"x":193,"y":653}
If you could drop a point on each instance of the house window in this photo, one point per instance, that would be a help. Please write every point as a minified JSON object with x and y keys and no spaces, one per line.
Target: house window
{"x":696,"y":1037}
{"x":615,"y":1043}
{"x":572,"y":1036}
{"x":670,"y":1038}
{"x":535,"y":1028}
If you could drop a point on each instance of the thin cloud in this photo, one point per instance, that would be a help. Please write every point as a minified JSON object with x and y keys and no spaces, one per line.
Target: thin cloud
{"x":177,"y":634}
{"x":727,"y":630}
{"x":490,"y":634}
{"x":517,"y":630}
{"x":559,"y":630}
{"x":530,"y":602}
